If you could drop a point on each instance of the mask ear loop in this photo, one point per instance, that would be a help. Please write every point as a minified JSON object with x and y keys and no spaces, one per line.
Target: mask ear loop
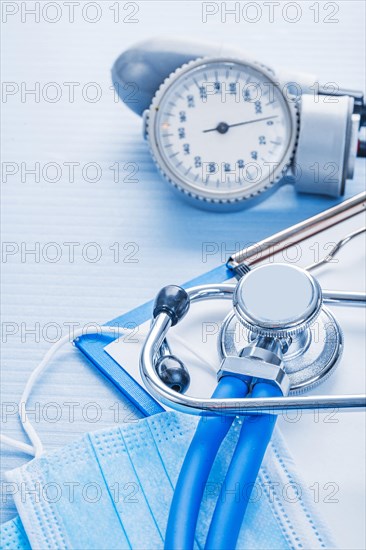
{"x":36,"y":448}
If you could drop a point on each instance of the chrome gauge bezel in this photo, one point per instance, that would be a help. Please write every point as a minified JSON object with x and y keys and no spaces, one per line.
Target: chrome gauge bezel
{"x":212,"y":196}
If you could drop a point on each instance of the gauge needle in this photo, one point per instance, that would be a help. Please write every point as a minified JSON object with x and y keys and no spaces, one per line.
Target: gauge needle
{"x":223,"y":127}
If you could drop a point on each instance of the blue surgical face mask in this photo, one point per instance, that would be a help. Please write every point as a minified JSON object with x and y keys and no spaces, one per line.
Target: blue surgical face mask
{"x":113,"y":488}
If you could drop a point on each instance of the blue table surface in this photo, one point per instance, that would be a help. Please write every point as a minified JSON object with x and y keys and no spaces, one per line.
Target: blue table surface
{"x":144,"y":235}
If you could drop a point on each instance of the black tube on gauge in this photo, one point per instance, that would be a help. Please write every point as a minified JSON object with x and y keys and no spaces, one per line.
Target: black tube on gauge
{"x":361,"y":149}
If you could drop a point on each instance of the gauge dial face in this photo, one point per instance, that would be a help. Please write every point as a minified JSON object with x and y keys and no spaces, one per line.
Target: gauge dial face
{"x":222,"y":130}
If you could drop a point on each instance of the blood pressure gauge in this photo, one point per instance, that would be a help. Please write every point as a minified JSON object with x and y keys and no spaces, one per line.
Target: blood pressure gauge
{"x":223,"y":131}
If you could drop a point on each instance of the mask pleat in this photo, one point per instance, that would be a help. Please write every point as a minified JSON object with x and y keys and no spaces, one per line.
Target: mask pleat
{"x":151,"y":473}
{"x":129,"y":498}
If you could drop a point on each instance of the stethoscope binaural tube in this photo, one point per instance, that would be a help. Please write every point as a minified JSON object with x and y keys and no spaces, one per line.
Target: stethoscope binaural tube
{"x":236,"y":489}
{"x":196,"y":468}
{"x":254,"y":438}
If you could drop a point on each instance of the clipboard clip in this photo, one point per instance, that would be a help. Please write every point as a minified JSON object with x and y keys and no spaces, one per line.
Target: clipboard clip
{"x":242,"y":261}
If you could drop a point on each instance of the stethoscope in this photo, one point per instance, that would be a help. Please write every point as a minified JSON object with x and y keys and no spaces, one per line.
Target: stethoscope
{"x":279,"y":340}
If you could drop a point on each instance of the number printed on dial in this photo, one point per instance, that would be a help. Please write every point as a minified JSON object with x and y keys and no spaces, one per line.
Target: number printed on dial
{"x":222,"y":128}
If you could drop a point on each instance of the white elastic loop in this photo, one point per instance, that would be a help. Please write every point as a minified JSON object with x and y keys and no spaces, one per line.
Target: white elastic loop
{"x":36,"y":448}
{"x":24,"y":447}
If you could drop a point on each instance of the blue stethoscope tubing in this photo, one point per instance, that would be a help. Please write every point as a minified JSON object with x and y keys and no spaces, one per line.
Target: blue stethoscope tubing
{"x":254,"y":437}
{"x":196,"y":468}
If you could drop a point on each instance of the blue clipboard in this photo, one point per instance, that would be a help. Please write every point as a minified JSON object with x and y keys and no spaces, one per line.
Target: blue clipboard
{"x":92,"y":346}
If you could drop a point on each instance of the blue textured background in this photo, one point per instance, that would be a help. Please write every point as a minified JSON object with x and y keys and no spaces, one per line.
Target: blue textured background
{"x":169,"y":234}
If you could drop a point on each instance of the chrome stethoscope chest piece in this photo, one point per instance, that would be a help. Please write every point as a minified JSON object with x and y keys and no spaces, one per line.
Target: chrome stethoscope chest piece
{"x":278,"y":332}
{"x":284,"y":303}
{"x":277,"y":300}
